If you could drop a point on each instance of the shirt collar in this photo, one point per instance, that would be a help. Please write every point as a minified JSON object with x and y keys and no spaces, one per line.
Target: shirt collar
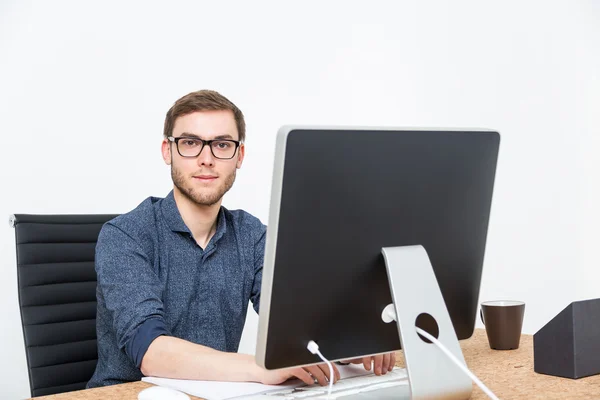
{"x":172,"y":215}
{"x":175,"y":222}
{"x":221,"y":226}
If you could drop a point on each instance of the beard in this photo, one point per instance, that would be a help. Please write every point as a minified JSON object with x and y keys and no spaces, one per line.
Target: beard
{"x":202,"y":196}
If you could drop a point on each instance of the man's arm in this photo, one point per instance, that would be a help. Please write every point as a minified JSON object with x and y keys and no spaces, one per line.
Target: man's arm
{"x":171,"y":357}
{"x":129,"y":289}
{"x":259,"y":259}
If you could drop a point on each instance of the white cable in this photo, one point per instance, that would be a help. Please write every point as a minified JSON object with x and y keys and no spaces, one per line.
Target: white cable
{"x":447,"y":352}
{"x":314,"y":348}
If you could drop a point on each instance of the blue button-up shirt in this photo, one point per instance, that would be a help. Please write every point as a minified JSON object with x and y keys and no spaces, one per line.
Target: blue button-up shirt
{"x":154,"y":279}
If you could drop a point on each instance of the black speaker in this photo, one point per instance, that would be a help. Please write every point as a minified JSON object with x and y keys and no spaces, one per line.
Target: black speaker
{"x":569,"y":345}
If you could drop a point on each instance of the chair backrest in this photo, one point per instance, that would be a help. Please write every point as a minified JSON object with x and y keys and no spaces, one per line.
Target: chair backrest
{"x":57,"y":298}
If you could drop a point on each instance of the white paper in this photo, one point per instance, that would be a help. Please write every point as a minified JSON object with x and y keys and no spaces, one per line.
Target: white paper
{"x":216,"y":390}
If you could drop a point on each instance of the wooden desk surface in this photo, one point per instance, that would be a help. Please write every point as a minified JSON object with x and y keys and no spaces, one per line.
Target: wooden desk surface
{"x":509,"y":374}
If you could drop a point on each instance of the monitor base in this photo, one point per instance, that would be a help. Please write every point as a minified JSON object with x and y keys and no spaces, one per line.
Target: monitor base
{"x":416,"y":295}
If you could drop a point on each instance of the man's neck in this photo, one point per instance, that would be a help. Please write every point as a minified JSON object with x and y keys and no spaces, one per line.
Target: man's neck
{"x":201,"y":220}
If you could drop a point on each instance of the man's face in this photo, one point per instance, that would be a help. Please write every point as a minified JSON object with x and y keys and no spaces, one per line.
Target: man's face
{"x":203,"y":179}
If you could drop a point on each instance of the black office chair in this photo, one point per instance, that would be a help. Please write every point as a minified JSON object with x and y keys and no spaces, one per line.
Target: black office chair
{"x":57,"y":298}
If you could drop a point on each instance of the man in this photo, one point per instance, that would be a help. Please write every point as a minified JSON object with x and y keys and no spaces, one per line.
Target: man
{"x":175,"y":275}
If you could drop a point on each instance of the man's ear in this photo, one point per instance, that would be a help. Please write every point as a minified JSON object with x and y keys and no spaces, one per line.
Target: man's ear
{"x":166,"y":151}
{"x":242,"y":153}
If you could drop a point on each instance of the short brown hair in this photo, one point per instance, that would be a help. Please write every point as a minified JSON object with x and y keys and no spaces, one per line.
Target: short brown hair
{"x":203,"y":100}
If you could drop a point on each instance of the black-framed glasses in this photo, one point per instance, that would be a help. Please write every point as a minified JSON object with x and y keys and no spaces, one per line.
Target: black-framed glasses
{"x":223,"y":149}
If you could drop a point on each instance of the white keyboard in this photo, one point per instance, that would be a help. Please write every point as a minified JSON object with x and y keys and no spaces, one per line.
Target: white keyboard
{"x":342,"y":388}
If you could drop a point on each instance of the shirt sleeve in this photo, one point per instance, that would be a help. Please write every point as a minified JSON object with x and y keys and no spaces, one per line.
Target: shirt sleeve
{"x":259,"y":255}
{"x":131,"y":290}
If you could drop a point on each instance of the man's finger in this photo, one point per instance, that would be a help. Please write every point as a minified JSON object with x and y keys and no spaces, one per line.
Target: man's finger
{"x":318,"y":374}
{"x":325,"y":369}
{"x":385,"y":365}
{"x":336,"y":371}
{"x":367,"y":363}
{"x":303,"y":375}
{"x":378,"y":360}
{"x":392,"y":361}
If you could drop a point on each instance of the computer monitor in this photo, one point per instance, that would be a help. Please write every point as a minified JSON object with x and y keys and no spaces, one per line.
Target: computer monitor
{"x":339,"y":196}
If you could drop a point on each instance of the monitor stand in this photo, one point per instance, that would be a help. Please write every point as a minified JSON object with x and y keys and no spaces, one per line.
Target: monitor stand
{"x":414,"y":288}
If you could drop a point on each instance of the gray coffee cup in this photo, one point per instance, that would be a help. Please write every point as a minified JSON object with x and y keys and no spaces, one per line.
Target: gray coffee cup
{"x":503,"y":320}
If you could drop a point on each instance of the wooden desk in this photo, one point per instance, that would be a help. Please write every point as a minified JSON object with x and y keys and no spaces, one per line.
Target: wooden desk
{"x":509,"y":374}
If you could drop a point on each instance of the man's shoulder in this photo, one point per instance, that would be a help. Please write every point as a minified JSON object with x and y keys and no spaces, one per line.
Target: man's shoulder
{"x":244,"y":221}
{"x":140,"y":220}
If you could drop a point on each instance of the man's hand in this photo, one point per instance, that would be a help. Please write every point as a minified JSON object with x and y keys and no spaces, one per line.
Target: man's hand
{"x":382,"y":363}
{"x":308,"y":375}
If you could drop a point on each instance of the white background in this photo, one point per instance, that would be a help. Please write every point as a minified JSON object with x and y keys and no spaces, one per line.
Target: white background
{"x":84,"y":86}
